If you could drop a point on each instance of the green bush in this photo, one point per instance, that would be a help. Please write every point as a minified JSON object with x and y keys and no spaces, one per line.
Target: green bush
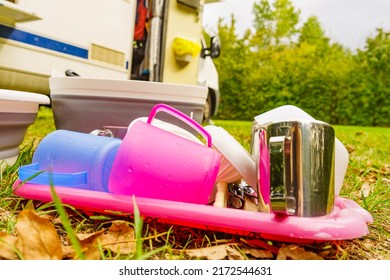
{"x":268,"y":68}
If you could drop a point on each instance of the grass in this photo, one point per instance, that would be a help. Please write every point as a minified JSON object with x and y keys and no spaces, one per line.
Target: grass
{"x":367,"y":182}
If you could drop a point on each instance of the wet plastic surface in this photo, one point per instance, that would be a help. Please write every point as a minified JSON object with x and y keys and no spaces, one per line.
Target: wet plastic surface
{"x":347,"y":221}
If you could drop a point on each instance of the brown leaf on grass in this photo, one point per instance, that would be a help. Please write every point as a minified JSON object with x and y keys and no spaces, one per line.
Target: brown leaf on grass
{"x":296,"y":253}
{"x":211,"y":253}
{"x":221,"y":252}
{"x":350,"y":148}
{"x":233,"y":254}
{"x":368,"y":244}
{"x":7,"y":246}
{"x":365,"y":189}
{"x":89,"y":244}
{"x":258,"y":253}
{"x":119,"y":238}
{"x":257,"y":243}
{"x":67,"y":252}
{"x":37,"y":238}
{"x":386,"y":181}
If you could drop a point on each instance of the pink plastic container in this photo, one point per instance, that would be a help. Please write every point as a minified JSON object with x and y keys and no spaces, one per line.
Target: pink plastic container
{"x":155,"y":163}
{"x":348,"y":220}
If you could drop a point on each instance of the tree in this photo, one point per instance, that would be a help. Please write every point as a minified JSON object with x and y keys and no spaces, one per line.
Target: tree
{"x":274,"y":24}
{"x":312,"y":33}
{"x":375,"y":61}
{"x":233,"y":68}
{"x":276,"y":64}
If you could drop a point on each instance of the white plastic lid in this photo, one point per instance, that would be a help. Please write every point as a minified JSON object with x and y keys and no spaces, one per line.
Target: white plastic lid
{"x":234,"y":152}
{"x":23,"y":96}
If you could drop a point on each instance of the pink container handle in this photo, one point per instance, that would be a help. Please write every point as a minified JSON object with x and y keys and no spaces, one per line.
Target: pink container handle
{"x":172,"y":111}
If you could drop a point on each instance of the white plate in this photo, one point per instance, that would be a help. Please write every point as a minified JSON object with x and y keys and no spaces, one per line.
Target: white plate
{"x":235,"y":153}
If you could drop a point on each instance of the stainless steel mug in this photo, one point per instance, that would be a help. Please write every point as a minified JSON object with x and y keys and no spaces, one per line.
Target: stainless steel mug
{"x":295,"y":162}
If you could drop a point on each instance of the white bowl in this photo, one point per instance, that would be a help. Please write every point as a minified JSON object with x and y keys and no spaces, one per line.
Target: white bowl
{"x":18,"y":110}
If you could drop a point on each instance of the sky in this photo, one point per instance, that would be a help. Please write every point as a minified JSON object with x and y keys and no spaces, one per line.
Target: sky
{"x":347,"y":22}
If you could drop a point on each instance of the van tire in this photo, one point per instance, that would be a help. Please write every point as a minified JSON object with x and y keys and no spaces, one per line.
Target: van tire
{"x":207,"y":109}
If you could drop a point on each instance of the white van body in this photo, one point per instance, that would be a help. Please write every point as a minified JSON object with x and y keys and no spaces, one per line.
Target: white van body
{"x":94,"y":38}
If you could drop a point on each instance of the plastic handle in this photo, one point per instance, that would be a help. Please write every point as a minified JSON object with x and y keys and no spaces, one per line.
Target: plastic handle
{"x":172,"y":111}
{"x":29,"y":173}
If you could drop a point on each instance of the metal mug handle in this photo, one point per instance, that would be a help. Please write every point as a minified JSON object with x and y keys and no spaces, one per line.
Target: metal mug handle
{"x":282,"y":190}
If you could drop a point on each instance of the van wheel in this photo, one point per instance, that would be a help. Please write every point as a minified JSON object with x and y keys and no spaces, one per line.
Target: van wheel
{"x":207,"y":110}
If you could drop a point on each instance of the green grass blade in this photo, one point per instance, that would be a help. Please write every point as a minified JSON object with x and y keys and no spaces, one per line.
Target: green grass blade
{"x":138,"y":224}
{"x":66,"y":224}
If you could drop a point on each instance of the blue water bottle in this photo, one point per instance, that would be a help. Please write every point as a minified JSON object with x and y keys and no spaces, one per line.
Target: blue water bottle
{"x":72,"y":159}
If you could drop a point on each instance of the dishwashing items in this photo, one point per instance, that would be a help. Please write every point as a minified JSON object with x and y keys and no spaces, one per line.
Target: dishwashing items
{"x":72,"y":159}
{"x":18,"y":110}
{"x":236,"y":162}
{"x":290,"y":112}
{"x":155,"y":163}
{"x":295,"y":160}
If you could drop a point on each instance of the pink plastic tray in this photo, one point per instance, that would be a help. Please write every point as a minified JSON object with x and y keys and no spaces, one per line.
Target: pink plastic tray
{"x":347,"y":221}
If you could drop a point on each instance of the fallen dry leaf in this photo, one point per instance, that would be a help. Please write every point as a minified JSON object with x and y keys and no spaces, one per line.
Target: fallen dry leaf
{"x":368,"y":244}
{"x":119,"y":238}
{"x":258,"y":253}
{"x":89,"y":244}
{"x":350,"y":148}
{"x":211,"y":253}
{"x":221,"y":252}
{"x":37,"y":238}
{"x":90,"y":253}
{"x":365,"y":189}
{"x":386,"y":181}
{"x":296,"y":253}
{"x":257,"y":243}
{"x":68,"y":252}
{"x":7,"y":246}
{"x":233,"y":254}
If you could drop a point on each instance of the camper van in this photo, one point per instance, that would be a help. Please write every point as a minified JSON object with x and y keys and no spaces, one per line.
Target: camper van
{"x":149,"y":40}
